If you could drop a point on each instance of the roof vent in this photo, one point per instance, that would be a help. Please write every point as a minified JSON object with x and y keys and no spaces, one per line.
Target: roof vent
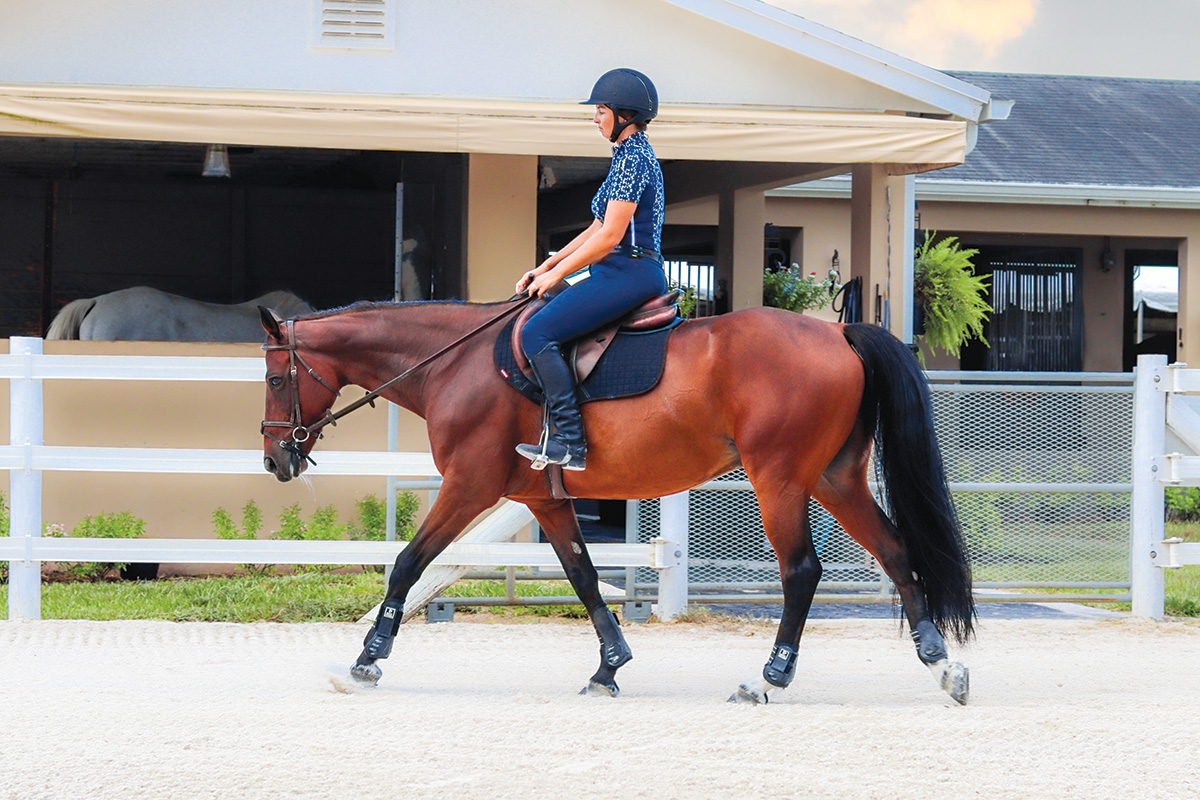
{"x":354,"y":24}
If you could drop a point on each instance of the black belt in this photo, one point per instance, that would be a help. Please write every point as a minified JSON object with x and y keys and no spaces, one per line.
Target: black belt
{"x":637,"y":251}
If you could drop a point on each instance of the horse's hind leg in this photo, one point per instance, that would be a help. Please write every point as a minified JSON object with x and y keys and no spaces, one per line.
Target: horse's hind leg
{"x":558,"y":521}
{"x":785,"y":519}
{"x":843,"y":491}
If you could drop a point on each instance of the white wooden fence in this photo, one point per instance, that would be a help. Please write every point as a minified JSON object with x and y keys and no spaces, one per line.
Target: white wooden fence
{"x":27,"y":457}
{"x":1160,"y":409}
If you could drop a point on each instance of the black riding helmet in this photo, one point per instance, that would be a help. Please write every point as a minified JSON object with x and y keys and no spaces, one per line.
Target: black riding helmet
{"x":629,"y":94}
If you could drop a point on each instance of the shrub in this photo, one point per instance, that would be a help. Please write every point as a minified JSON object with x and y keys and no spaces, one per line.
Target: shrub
{"x":372,"y":518}
{"x":251,"y":524}
{"x":792,"y":290}
{"x":121,"y":525}
{"x":3,"y":532}
{"x":1183,"y":503}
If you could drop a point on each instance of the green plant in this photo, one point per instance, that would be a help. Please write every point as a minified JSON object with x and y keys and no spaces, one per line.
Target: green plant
{"x":251,"y":524}
{"x":371,"y":525}
{"x":1183,"y":503}
{"x":120,"y":525}
{"x":792,"y":290}
{"x":687,"y":300}
{"x":949,"y":293}
{"x":3,"y":532}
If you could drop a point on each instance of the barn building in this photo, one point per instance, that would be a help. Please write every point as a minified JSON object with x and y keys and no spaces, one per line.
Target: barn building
{"x":353,"y":149}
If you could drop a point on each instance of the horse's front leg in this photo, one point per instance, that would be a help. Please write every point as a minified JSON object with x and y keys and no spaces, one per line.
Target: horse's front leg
{"x":558,"y":521}
{"x":450,"y":514}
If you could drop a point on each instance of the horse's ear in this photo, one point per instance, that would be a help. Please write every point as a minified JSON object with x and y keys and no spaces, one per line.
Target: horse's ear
{"x":271,"y":323}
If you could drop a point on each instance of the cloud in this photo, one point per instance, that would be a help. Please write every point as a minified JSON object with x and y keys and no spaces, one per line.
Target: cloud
{"x":938,"y":28}
{"x":929,"y":31}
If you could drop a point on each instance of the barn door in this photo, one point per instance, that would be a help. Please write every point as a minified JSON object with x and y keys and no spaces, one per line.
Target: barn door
{"x":1037,"y":321}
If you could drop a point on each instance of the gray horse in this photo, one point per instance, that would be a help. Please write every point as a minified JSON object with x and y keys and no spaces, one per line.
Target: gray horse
{"x":145,"y":314}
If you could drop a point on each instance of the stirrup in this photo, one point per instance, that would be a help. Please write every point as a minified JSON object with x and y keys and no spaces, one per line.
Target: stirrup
{"x":552,"y":452}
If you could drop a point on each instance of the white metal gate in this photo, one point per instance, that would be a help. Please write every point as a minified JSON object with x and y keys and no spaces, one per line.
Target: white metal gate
{"x":1039,"y":464}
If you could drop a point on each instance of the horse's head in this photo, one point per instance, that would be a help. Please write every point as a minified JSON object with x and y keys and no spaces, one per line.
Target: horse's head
{"x":298,"y":400}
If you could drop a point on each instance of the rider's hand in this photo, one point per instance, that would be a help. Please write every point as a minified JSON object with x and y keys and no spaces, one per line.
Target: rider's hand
{"x":543,"y":283}
{"x":526,"y":279}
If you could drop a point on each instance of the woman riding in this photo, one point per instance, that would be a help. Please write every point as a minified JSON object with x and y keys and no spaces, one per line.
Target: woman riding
{"x":622,"y":248}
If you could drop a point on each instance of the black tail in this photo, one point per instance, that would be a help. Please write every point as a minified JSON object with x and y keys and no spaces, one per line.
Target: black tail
{"x":897,"y":407}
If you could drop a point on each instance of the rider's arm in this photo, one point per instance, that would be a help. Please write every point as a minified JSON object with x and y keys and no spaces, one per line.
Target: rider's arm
{"x":598,"y":244}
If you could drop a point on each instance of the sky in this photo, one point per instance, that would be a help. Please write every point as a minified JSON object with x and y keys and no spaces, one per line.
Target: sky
{"x":1110,"y":38}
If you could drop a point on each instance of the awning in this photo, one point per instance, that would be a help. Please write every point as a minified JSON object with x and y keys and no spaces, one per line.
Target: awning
{"x":471,"y":126}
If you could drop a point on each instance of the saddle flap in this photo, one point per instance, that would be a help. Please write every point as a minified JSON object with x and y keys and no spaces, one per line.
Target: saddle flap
{"x":655,"y":313}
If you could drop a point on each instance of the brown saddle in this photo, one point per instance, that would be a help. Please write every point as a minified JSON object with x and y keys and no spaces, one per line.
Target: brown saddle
{"x":585,"y":353}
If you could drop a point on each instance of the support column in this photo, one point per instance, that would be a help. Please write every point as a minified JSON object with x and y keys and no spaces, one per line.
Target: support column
{"x":1147,"y":514}
{"x":742,"y":217}
{"x":501,"y":223}
{"x":1188,"y":320}
{"x":881,"y":222}
{"x":25,"y":427}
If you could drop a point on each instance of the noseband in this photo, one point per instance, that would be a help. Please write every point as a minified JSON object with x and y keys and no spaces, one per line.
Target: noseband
{"x":300,"y":432}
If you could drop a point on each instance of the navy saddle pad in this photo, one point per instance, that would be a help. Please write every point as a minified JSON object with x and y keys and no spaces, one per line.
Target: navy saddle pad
{"x":632,"y":365}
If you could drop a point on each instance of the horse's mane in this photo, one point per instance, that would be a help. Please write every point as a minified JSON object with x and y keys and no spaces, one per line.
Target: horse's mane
{"x":361,"y":306}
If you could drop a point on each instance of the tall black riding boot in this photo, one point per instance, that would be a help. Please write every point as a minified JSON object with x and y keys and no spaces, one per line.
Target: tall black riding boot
{"x":566,"y":444}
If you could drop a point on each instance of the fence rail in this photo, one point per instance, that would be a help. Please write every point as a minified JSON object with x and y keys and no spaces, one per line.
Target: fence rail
{"x":26,"y":457}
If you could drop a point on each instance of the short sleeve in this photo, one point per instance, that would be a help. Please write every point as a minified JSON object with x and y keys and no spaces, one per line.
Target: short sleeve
{"x":629,"y":177}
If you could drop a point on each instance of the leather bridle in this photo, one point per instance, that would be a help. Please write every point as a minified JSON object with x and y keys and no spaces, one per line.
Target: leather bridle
{"x":301,"y":433}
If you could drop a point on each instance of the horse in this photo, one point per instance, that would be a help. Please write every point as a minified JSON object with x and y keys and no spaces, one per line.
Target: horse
{"x":142,"y":313}
{"x":796,"y":402}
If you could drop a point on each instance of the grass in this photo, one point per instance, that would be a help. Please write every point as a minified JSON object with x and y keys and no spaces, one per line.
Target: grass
{"x":255,"y":598}
{"x":1182,"y":586}
{"x":345,"y":598}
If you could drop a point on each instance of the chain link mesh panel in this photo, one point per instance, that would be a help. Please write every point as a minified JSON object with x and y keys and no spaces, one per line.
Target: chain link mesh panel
{"x":1059,"y":456}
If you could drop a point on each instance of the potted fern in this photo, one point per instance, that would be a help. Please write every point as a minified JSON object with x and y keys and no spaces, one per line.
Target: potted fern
{"x":950,"y":298}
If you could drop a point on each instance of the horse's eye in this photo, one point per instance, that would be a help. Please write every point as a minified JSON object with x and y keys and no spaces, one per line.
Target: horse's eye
{"x":275,"y":381}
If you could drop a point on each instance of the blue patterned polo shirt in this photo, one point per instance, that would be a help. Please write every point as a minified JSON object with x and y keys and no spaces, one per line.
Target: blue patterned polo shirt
{"x":635,"y":176}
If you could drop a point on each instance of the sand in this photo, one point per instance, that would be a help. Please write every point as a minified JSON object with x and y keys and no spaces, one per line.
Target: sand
{"x":1059,"y":709}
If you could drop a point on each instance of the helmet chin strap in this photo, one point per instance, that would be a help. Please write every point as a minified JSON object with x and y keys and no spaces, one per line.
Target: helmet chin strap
{"x":618,"y":125}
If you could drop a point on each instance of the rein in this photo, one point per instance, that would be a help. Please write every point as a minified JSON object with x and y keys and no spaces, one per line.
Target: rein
{"x":302,"y":433}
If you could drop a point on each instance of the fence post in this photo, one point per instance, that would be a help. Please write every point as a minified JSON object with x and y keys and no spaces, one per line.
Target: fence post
{"x":1147,"y":517}
{"x":25,"y":429}
{"x":673,"y":581}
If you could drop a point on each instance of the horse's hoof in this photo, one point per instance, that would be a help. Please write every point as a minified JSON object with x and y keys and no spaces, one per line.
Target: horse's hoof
{"x":749,"y":695}
{"x":954,"y":678}
{"x":597,"y":689}
{"x":366,"y":674}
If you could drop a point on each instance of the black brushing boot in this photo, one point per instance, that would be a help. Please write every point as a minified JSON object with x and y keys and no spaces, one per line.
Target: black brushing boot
{"x":566,"y":445}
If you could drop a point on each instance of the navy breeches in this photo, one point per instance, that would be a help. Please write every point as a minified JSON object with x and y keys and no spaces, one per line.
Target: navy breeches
{"x":617,"y":286}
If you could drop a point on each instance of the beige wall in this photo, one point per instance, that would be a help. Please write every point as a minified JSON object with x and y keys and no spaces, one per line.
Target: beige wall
{"x":1088,"y":227}
{"x":501,"y":223}
{"x":189,"y":415}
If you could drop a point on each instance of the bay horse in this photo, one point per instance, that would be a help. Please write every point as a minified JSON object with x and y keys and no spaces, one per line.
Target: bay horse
{"x":796,"y":402}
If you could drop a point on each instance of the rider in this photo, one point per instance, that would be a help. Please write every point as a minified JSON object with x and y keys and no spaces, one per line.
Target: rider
{"x":622,"y":247}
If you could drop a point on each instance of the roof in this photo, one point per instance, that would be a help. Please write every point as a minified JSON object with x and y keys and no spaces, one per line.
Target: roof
{"x":941,"y":90}
{"x":1086,"y":131}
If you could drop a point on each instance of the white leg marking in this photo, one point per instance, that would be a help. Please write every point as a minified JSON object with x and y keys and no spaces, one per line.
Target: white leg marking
{"x":954,"y":679}
{"x":754,"y":692}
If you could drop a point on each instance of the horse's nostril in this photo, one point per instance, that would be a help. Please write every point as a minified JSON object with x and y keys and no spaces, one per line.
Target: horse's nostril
{"x":269,"y":464}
